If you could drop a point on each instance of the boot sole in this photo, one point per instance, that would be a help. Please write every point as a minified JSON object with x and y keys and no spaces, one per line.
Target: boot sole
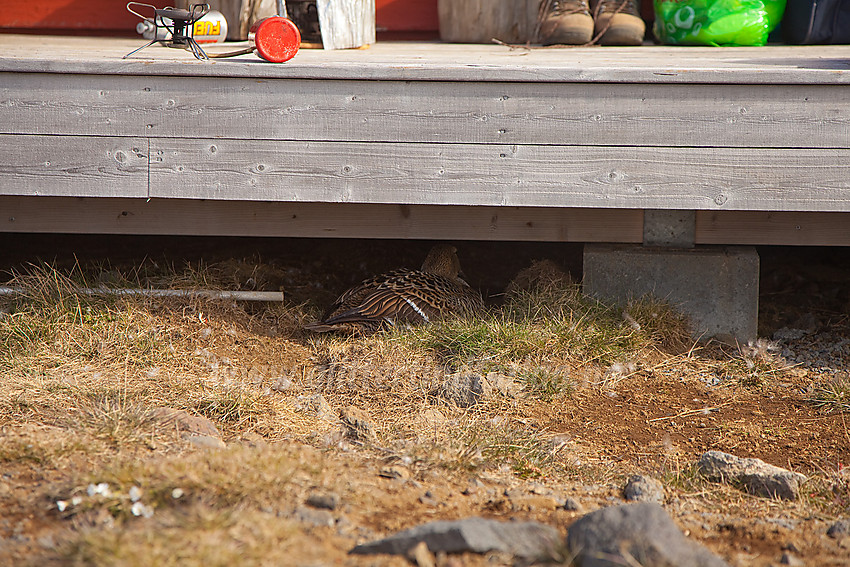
{"x":577,"y":37}
{"x":618,"y":37}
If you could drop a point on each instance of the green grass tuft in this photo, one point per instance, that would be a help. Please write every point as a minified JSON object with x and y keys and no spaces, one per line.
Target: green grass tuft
{"x":833,"y":396}
{"x":462,"y":342}
{"x":551,"y":325}
{"x":546,"y":383}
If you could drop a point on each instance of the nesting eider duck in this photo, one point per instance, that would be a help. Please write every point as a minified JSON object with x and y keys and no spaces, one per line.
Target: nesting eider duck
{"x":404,"y":297}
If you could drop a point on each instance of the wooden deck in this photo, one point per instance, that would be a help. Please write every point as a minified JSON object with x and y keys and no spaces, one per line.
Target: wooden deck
{"x":426,"y":140}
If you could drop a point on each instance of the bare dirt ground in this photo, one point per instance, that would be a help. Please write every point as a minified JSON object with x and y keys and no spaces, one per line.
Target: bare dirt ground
{"x":149,"y":431}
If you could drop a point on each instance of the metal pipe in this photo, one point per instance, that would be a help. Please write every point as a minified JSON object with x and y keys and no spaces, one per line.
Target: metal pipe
{"x":281,"y":8}
{"x":208,"y":293}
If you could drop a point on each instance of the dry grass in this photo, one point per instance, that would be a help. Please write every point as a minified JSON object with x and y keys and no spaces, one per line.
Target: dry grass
{"x":833,"y":396}
{"x":82,"y":374}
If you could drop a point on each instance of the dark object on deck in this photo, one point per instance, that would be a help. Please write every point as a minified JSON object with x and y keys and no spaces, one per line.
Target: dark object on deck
{"x":407,"y":297}
{"x":178,"y":22}
{"x":306,"y":16}
{"x":816,"y":21}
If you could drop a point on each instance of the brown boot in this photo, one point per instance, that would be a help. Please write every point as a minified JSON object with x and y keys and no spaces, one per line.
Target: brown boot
{"x":618,"y":21}
{"x":566,"y":22}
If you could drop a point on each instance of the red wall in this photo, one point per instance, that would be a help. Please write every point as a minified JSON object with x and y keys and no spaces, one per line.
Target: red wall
{"x":406,"y":15}
{"x":72,"y":15}
{"x":106,"y":17}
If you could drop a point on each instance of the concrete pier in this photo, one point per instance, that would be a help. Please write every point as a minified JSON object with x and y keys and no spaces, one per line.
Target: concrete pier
{"x":716,"y":286}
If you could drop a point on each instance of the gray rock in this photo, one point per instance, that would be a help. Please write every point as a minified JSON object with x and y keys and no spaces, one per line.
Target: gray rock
{"x":641,"y":488}
{"x":783,"y":523}
{"x":839,"y":529}
{"x":753,"y":475}
{"x":572,"y":505}
{"x":526,"y":540}
{"x":323,"y":500}
{"x":632,"y":534}
{"x":788,"y":334}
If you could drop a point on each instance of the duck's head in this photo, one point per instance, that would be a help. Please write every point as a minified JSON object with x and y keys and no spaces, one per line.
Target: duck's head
{"x":442,"y":260}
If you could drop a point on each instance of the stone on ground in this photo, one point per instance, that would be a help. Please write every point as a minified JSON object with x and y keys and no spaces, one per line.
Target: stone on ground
{"x":753,"y":475}
{"x":641,"y":488}
{"x":634,"y":534}
{"x":526,"y":540}
{"x":323,"y":500}
{"x":839,"y":529}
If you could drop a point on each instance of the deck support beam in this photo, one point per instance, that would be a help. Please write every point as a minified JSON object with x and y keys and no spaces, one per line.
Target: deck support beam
{"x":202,"y":217}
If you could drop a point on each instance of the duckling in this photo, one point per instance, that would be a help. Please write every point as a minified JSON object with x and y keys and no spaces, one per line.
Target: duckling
{"x":405,"y":297}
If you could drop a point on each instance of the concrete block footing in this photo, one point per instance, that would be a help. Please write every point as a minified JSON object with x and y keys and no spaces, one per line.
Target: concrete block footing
{"x":716,"y":286}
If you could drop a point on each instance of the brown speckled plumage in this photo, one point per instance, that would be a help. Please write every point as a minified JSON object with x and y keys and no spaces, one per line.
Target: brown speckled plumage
{"x":405,"y":297}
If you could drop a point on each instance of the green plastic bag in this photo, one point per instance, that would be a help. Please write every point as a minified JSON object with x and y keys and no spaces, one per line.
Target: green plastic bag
{"x":716,"y":22}
{"x":775,"y":10}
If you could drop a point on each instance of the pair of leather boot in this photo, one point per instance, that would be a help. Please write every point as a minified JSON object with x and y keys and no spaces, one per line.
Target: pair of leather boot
{"x":575,"y":22}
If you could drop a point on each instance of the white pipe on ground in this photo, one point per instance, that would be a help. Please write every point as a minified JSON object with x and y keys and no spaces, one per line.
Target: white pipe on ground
{"x":208,"y":293}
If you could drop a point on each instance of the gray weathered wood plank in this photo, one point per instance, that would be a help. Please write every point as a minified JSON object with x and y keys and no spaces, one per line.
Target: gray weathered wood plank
{"x":502,"y":175}
{"x":252,"y":218}
{"x":824,"y":64}
{"x":427,"y":111}
{"x":73,"y":166}
{"x":547,"y":147}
